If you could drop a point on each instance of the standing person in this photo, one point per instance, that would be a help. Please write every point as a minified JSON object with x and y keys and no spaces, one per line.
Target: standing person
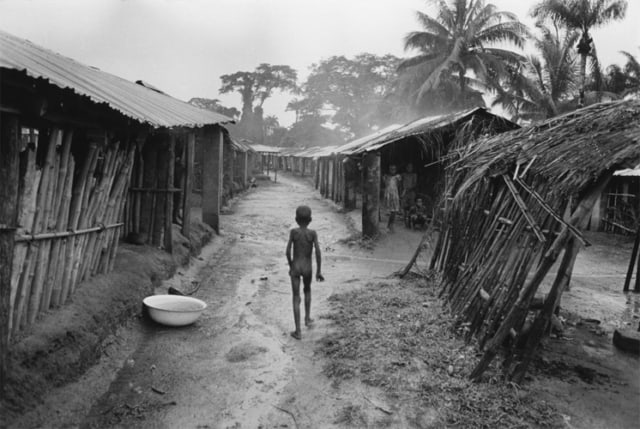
{"x":392,"y":182}
{"x":302,"y":240}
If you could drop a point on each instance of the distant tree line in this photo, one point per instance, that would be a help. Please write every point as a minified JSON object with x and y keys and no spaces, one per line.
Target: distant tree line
{"x":465,"y":53}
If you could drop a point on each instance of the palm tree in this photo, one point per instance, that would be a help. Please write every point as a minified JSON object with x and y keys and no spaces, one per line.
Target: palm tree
{"x":543,"y":87}
{"x":632,"y":72}
{"x":582,"y":15}
{"x":459,"y":39}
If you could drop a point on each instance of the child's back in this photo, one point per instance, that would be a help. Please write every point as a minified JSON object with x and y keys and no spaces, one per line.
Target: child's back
{"x":303,"y":240}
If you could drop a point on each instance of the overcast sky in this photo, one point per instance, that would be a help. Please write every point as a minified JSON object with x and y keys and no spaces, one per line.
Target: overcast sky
{"x":184,"y":46}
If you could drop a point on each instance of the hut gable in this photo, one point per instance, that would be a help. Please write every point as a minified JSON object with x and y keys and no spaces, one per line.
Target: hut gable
{"x":519,"y":200}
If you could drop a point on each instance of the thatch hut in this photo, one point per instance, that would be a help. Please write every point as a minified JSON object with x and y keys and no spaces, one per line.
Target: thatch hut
{"x":518,"y":200}
{"x":86,"y":157}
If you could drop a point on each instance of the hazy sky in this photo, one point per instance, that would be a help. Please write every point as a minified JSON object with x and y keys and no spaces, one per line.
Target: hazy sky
{"x":184,"y":46}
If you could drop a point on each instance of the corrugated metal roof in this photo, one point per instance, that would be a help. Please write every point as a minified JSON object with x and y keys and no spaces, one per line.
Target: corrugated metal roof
{"x":394,"y":133}
{"x":265,"y":149}
{"x":628,"y":172}
{"x":132,"y":100}
{"x":240,"y":146}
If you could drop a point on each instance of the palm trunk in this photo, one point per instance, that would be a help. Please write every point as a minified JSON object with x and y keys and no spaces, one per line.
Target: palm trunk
{"x":583,"y":78}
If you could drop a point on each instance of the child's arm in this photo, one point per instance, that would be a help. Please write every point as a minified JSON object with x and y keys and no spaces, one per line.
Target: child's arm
{"x":288,"y":251}
{"x":319,"y":276}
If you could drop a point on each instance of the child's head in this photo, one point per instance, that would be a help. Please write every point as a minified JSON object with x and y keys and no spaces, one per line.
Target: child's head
{"x":392,"y":169}
{"x":303,"y":215}
{"x":418,"y":201}
{"x":409,"y":168}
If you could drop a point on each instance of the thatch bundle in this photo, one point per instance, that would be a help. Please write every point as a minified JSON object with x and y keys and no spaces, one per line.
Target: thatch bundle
{"x":516,"y":200}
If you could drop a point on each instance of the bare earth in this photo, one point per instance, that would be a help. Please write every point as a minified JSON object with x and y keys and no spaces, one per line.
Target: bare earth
{"x":237,"y":366}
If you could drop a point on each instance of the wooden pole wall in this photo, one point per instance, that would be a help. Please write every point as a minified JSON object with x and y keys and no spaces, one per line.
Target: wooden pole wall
{"x":9,"y":162}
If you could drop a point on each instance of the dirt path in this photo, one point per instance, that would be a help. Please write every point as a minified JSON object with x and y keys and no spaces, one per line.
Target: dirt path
{"x":237,"y":366}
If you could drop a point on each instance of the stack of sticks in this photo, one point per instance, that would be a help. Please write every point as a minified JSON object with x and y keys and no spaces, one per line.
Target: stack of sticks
{"x":67,"y":222}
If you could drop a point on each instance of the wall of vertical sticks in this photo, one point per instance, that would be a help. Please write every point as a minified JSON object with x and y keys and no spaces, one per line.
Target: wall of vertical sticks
{"x":155,"y":199}
{"x":72,"y":190}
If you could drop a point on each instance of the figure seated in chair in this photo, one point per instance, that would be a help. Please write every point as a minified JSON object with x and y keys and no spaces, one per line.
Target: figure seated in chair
{"x":418,"y":215}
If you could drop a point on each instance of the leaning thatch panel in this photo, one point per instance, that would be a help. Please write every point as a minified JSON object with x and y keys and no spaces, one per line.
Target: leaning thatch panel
{"x":509,"y":194}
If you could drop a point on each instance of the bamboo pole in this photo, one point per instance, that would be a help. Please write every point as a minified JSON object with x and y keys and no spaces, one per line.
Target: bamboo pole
{"x":168,"y":217}
{"x":59,"y":222}
{"x":522,"y":303}
{"x":30,"y":180}
{"x":188,"y":184}
{"x":551,"y":302}
{"x":45,"y":200}
{"x":81,"y":221}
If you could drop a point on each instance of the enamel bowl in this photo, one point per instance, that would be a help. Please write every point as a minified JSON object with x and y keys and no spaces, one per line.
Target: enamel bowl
{"x":174,"y":310}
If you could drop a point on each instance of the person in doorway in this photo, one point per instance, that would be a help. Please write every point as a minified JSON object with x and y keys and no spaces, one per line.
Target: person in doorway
{"x":302,"y":242}
{"x":418,"y":215}
{"x":392,"y":182}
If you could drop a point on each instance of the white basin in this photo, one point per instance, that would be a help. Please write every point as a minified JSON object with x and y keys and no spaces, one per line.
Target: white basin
{"x":174,"y":310}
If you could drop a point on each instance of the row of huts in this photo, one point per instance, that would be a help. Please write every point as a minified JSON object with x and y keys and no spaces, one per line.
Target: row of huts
{"x":87,"y":158}
{"x":509,"y":202}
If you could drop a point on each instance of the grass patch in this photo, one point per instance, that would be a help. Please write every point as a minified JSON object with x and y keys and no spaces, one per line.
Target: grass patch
{"x":397,"y":336}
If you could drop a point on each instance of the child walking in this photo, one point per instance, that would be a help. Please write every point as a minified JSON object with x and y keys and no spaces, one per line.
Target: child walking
{"x":302,"y":240}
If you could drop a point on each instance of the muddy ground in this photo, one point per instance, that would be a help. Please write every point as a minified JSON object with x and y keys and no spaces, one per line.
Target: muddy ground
{"x":237,"y":367}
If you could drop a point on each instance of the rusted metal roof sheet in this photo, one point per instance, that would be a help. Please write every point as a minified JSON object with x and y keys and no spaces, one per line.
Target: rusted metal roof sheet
{"x":265,"y":149}
{"x":628,"y":172}
{"x":133,"y":100}
{"x":393,"y":133}
{"x":241,"y":146}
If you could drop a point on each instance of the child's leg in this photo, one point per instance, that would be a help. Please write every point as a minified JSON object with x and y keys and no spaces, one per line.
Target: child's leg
{"x":307,"y":300}
{"x":295,"y":288}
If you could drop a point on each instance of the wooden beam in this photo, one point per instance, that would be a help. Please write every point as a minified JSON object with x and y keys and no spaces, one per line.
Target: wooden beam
{"x":188,"y":184}
{"x":371,"y":175}
{"x":168,"y":197}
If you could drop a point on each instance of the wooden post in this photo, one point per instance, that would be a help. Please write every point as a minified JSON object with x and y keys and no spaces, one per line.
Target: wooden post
{"x":334,"y":179}
{"x":245,"y":170}
{"x":168,"y":201}
{"x":632,"y":261}
{"x":188,"y":184}
{"x":370,"y":194}
{"x":212,"y":186}
{"x":9,"y":175}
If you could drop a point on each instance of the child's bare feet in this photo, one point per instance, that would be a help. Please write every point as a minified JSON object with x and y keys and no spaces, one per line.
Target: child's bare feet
{"x":296,"y":335}
{"x":308,"y":323}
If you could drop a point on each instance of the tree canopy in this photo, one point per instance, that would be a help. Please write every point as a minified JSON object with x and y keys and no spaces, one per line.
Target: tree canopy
{"x":349,"y":92}
{"x":458,"y":39}
{"x":582,"y":15}
{"x":255,"y":88}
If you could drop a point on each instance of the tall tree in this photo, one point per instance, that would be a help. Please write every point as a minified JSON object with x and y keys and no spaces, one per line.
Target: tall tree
{"x":255,"y":88}
{"x":351,"y":92}
{"x":582,"y":15}
{"x":545,"y":85}
{"x":459,"y":38}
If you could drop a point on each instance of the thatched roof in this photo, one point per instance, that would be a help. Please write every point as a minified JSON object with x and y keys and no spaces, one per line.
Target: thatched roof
{"x":572,"y":150}
{"x":510,"y":193}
